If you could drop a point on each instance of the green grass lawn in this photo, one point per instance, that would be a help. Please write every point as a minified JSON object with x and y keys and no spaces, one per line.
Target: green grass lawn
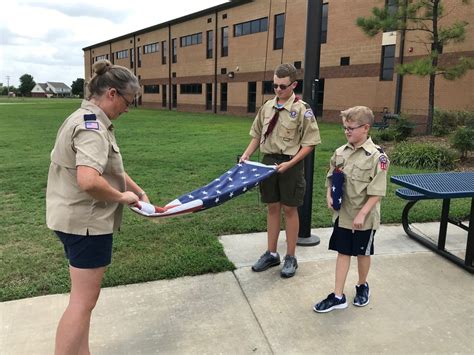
{"x":168,"y":154}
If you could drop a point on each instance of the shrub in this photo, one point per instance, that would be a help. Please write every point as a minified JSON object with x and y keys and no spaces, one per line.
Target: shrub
{"x":444,"y":122}
{"x":403,"y":128}
{"x":423,"y":156}
{"x":463,"y":140}
{"x":386,"y":135}
{"x":464,"y":117}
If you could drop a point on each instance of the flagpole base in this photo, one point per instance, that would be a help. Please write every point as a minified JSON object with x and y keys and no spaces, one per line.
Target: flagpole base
{"x":310,"y":241}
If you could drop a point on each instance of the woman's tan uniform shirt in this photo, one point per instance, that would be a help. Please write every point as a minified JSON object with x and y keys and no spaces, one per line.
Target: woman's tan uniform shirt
{"x":85,"y":138}
{"x":296,"y":127}
{"x":365,"y":175}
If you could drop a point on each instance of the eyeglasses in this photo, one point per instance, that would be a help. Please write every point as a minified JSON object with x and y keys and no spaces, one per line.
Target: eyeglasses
{"x":351,"y":129}
{"x":128,"y":103}
{"x":282,"y":86}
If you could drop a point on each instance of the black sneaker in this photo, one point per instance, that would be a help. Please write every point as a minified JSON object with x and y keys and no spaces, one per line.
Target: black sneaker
{"x":266,"y":261}
{"x":289,"y":267}
{"x":362,"y":295}
{"x":330,"y":303}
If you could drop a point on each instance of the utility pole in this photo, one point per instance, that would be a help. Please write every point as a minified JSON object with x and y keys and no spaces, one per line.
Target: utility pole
{"x":310,"y":89}
{"x":8,"y":85}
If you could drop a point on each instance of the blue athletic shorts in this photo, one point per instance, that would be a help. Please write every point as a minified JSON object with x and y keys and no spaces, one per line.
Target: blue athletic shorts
{"x":87,"y":252}
{"x":348,"y":243}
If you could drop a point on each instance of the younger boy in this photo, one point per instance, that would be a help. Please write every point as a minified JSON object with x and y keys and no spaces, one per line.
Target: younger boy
{"x":364,"y":166}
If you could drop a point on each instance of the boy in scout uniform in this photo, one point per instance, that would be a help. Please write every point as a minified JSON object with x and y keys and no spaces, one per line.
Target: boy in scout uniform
{"x":364,"y":166}
{"x":285,"y":130}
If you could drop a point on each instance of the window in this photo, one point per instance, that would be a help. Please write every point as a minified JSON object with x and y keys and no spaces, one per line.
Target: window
{"x":190,"y":89}
{"x":100,"y":57}
{"x":279,"y":32}
{"x":254,"y":26}
{"x":191,"y":40}
{"x":223,"y":96}
{"x":163,"y":96}
{"x":299,"y":87}
{"x":112,"y":57}
{"x":132,"y":57}
{"x":324,"y":24}
{"x":267,"y":87}
{"x":252,"y":96}
{"x":388,"y":62}
{"x":121,"y":54}
{"x":139,"y":60}
{"x":297,"y":64}
{"x":164,"y":52}
{"x":223,"y":70}
{"x":174,"y":49}
{"x":208,"y":96}
{"x":151,"y":89}
{"x":225,"y":41}
{"x":151,"y":48}
{"x":209,"y":44}
{"x":392,"y":7}
{"x":209,"y":20}
{"x":345,"y":61}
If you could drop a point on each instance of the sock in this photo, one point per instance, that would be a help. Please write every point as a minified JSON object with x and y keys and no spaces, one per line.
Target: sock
{"x":273,"y":254}
{"x":338,"y":297}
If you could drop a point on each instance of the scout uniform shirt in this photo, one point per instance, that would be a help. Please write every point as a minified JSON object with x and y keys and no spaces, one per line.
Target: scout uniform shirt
{"x":296,"y":127}
{"x":365,"y":174}
{"x":85,"y":138}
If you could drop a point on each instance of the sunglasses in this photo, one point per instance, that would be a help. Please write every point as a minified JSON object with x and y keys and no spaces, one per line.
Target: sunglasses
{"x":282,"y":86}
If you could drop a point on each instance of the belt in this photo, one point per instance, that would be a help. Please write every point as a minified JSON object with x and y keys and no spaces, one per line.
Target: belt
{"x":281,"y":156}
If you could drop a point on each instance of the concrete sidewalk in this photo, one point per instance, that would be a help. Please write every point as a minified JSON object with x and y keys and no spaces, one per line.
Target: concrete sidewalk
{"x":421,"y":303}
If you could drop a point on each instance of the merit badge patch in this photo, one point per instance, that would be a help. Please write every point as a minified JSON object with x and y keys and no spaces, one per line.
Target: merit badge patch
{"x":293,"y":114}
{"x":383,"y":162}
{"x":309,"y":114}
{"x":91,"y":124}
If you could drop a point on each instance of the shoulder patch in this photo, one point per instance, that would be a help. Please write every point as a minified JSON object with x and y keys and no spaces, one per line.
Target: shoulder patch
{"x":309,"y":114}
{"x":383,"y":162}
{"x":91,"y":125}
{"x":90,"y":117}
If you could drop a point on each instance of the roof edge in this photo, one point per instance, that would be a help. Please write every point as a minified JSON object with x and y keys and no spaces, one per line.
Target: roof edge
{"x":225,"y":6}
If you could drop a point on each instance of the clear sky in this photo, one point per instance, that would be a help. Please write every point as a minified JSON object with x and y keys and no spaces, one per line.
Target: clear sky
{"x":44,"y":38}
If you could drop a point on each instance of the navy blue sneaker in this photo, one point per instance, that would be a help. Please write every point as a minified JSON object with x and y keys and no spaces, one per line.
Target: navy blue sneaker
{"x":266,"y":261}
{"x":362,"y":295}
{"x":330,"y":303}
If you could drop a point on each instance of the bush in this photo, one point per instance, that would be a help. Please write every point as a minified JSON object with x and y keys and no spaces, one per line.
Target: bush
{"x":386,"y":135}
{"x":463,"y":140}
{"x":403,"y":128}
{"x":423,"y":156}
{"x":444,"y":122}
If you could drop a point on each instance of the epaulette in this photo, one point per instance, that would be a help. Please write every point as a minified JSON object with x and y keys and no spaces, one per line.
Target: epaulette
{"x":379,"y":149}
{"x":90,"y":117}
{"x":308,"y":106}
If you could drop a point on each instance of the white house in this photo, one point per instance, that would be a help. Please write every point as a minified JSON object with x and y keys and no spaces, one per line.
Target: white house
{"x":51,"y":89}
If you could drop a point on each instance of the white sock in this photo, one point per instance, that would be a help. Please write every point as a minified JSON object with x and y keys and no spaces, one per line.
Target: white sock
{"x":273,"y":254}
{"x":338,"y":297}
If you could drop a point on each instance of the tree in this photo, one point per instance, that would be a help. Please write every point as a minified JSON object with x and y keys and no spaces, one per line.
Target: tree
{"x":26,"y":84}
{"x":424,"y":17}
{"x":77,"y":87}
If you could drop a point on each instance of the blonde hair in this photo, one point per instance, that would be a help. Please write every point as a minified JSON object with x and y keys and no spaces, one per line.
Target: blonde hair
{"x":107,"y":75}
{"x":358,"y":114}
{"x":284,"y":70}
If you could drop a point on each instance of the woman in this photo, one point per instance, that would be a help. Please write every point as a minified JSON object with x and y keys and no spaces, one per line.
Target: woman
{"x":87,"y":188}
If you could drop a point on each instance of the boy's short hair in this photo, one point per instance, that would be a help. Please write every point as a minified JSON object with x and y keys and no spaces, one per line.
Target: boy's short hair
{"x":284,"y":70}
{"x":358,"y":114}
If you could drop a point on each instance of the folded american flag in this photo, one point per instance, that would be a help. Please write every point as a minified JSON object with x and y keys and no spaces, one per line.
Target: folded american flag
{"x":337,"y":188}
{"x":236,"y":181}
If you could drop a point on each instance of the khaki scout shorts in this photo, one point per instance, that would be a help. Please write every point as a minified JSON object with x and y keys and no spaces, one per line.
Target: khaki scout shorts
{"x":287,"y":188}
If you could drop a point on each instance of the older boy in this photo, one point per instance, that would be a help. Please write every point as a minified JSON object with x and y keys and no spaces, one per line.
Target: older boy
{"x":364,"y":166}
{"x":285,"y":130}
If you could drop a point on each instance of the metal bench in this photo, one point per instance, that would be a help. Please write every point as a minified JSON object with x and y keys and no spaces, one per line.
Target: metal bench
{"x":385,"y":123}
{"x":440,"y":186}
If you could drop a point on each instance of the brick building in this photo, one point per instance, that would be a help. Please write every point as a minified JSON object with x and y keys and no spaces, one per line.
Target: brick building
{"x":221,"y":59}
